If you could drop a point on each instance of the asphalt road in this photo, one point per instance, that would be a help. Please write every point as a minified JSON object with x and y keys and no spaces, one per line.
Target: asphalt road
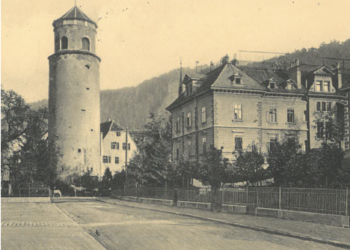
{"x":118,"y":227}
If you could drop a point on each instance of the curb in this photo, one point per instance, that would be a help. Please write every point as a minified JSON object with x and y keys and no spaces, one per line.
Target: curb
{"x":78,"y":226}
{"x":259,"y":229}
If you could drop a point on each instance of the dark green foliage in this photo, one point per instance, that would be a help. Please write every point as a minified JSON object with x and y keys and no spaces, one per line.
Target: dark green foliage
{"x":249,"y":166}
{"x":119,"y":180}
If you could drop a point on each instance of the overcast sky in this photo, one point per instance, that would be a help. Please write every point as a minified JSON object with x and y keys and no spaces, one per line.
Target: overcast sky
{"x":138,"y":40}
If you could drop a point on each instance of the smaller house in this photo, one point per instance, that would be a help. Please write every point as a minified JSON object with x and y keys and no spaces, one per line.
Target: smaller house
{"x":117,"y":147}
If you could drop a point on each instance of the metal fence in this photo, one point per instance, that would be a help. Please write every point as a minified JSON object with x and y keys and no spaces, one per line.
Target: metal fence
{"x":326,"y":201}
{"x":26,"y":192}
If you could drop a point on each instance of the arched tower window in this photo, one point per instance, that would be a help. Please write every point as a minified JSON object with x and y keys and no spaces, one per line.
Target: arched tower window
{"x":86,"y":44}
{"x":64,"y":43}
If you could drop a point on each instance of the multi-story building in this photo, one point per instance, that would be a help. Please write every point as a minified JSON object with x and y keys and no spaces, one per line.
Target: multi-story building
{"x":239,"y":108}
{"x":117,"y":147}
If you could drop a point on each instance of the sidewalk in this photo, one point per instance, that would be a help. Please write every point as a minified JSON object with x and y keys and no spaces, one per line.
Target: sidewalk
{"x":303,"y":230}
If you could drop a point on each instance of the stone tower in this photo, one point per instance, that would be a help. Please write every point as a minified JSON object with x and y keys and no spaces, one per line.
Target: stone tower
{"x":74,"y":94}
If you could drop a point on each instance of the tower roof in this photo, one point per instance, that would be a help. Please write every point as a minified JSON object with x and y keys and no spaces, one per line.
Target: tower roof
{"x":75,"y":13}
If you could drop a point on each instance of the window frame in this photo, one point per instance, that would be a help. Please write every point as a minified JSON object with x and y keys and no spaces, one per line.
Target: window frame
{"x":290,"y":111}
{"x":237,"y":107}
{"x":238,"y":140}
{"x":64,"y":43}
{"x":204,"y":115}
{"x":88,"y":43}
{"x":116,"y":160}
{"x":272,"y":113}
{"x":189,"y":120}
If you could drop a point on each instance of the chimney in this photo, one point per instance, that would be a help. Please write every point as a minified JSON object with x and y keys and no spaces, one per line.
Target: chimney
{"x":180,"y":83}
{"x":295,"y":72}
{"x":339,"y":76}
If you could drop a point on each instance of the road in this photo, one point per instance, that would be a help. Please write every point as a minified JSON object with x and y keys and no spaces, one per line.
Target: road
{"x":118,"y":227}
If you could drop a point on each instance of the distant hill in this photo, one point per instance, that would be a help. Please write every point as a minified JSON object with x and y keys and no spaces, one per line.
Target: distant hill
{"x":312,"y":56}
{"x":130,"y":107}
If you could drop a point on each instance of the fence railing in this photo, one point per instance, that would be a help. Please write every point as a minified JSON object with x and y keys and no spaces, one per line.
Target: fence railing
{"x":326,"y":201}
{"x":26,"y":192}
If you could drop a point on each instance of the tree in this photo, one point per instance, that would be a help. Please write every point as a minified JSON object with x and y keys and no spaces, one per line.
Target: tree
{"x":14,"y":119}
{"x":150,"y":165}
{"x":213,"y":169}
{"x":326,"y":167}
{"x":181,"y":171}
{"x":30,"y":157}
{"x":249,"y":166}
{"x":119,"y":180}
{"x":285,"y":162}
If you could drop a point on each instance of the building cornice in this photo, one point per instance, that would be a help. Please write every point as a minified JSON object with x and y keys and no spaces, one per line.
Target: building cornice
{"x":82,"y":52}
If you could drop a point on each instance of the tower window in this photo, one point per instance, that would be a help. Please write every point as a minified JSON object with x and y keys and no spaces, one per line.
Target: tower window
{"x":86,"y":44}
{"x":64,"y":43}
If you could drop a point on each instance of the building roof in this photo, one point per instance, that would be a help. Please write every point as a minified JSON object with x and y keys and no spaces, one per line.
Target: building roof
{"x":75,"y":13}
{"x":110,"y":125}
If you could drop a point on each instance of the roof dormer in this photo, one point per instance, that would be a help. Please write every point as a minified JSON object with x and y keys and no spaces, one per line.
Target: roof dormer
{"x":272,"y":84}
{"x":290,"y":85}
{"x":236,"y":79}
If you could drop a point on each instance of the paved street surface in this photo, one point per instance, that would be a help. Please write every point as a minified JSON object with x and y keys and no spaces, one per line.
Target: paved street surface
{"x":65,"y":224}
{"x":120,"y":227}
{"x":41,"y":226}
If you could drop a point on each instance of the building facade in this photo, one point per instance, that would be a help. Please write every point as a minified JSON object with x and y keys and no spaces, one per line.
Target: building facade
{"x":117,"y":147}
{"x":74,"y":94}
{"x":240,"y":108}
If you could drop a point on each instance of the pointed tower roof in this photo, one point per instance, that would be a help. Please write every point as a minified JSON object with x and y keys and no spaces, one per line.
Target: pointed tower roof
{"x":75,"y":13}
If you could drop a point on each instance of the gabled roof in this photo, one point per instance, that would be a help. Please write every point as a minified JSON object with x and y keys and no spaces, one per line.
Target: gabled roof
{"x":75,"y":13}
{"x":323,"y":70}
{"x":110,"y":125}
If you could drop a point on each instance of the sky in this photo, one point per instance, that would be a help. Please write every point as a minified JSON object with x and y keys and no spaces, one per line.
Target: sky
{"x":138,"y":40}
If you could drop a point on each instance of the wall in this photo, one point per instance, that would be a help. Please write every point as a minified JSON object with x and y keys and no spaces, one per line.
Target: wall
{"x":74,"y":111}
{"x":108,"y":151}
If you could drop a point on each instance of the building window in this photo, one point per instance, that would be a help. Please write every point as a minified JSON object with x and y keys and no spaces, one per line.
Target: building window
{"x":118,"y":133}
{"x":113,"y":145}
{"x":272,"y":115}
{"x":305,"y":116}
{"x":79,"y":150}
{"x":237,"y":112}
{"x":272,"y":85}
{"x":177,"y":126}
{"x":116,"y":160}
{"x":128,"y":146}
{"x":238,"y":80}
{"x":290,"y":115}
{"x":324,"y":106}
{"x":319,"y":130}
{"x":86,"y":44}
{"x":106,"y":159}
{"x":177,"y":153}
{"x":204,"y":115}
{"x":64,"y":43}
{"x":238,"y":143}
{"x":318,"y":86}
{"x":326,"y":86}
{"x":290,"y":86}
{"x":124,"y":146}
{"x":188,"y":120}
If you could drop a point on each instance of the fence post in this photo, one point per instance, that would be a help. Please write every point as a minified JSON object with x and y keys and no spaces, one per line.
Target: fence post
{"x":257,"y":197}
{"x":29,"y":191}
{"x":280,"y":198}
{"x":247,"y":194}
{"x":347,"y":202}
{"x":175,"y":197}
{"x":222,"y":196}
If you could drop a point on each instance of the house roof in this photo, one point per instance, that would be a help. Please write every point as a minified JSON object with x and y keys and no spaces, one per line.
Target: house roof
{"x":110,"y":125}
{"x":75,"y":13}
{"x":253,"y":79}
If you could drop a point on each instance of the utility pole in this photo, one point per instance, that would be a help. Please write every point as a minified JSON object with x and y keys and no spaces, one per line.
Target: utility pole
{"x":126,"y":152}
